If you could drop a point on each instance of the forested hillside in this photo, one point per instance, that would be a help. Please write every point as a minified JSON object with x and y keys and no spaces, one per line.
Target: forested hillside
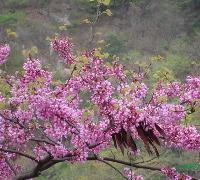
{"x":135,"y":30}
{"x":158,"y":37}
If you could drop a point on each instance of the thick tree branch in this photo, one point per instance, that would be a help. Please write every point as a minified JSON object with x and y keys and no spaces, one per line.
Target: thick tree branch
{"x":35,"y":172}
{"x":48,"y":162}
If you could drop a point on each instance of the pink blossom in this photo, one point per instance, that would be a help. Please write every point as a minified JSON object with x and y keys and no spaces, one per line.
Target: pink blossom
{"x":4,"y":53}
{"x":172,"y":174}
{"x":131,"y":175}
{"x":64,"y":49}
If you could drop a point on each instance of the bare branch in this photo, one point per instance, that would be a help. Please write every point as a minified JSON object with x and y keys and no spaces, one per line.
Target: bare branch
{"x":98,"y":14}
{"x":13,"y":121}
{"x":43,"y":141}
{"x":126,"y":163}
{"x":113,"y":167}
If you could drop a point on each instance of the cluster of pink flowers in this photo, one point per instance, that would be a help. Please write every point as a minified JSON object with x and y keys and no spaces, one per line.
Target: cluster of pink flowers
{"x":63,"y":47}
{"x":131,"y":175}
{"x":33,"y":71}
{"x":81,"y":116}
{"x":172,"y":174}
{"x":4,"y":53}
{"x":192,"y":92}
{"x":187,"y":138}
{"x":5,"y":171}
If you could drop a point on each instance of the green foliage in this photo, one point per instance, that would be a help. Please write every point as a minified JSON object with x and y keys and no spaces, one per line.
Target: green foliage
{"x":191,"y":166}
{"x":164,"y":74}
{"x":44,"y":3}
{"x":12,"y":17}
{"x":15,"y":3}
{"x":173,"y":66}
{"x":104,"y":2}
{"x":89,"y":6}
{"x":196,"y":24}
{"x":5,"y":90}
{"x":183,"y":3}
{"x":114,"y":44}
{"x":194,"y":7}
{"x":179,"y":64}
{"x":189,"y":3}
{"x":197,"y":32}
{"x":130,"y":59}
{"x":15,"y":61}
{"x":196,"y":3}
{"x":132,"y":55}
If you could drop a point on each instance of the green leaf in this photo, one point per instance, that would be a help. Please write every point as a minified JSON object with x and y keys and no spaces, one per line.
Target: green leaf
{"x":24,"y":105}
{"x":188,"y":119}
{"x":187,"y":166}
{"x":2,"y":105}
{"x":106,"y":55}
{"x":105,"y":2}
{"x":108,"y":12}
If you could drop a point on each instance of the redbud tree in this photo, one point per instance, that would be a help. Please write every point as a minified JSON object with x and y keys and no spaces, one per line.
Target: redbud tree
{"x":47,"y":123}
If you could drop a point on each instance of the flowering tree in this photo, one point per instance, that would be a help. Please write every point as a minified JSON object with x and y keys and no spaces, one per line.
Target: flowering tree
{"x":47,"y":123}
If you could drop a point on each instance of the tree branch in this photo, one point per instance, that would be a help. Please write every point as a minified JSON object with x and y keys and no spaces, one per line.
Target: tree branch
{"x":113,"y":167}
{"x":35,"y":172}
{"x":13,"y":121}
{"x":19,"y":153}
{"x":126,"y":163}
{"x":43,"y":141}
{"x":48,"y":162}
{"x":98,"y":14}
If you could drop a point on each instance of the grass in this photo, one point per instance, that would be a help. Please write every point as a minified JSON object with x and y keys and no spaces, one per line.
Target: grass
{"x":88,"y":171}
{"x":12,"y":17}
{"x":115,"y":44}
{"x":17,"y":2}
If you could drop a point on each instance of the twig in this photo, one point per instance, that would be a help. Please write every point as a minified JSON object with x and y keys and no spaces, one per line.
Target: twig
{"x":98,"y":14}
{"x":113,"y":168}
{"x":65,"y":85}
{"x":43,"y":141}
{"x":127,"y":163}
{"x":12,"y":120}
{"x":19,"y":153}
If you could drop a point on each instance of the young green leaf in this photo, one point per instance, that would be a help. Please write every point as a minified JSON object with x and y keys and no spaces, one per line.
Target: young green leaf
{"x":105,"y":2}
